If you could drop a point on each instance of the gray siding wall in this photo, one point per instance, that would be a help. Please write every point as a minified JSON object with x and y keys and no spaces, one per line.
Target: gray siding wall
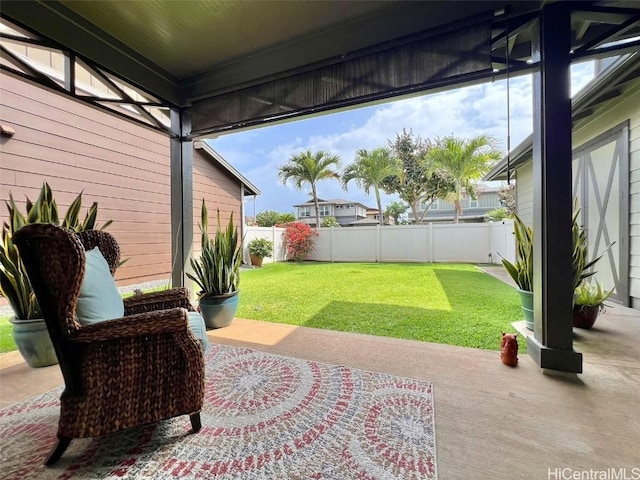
{"x":524,"y":193}
{"x":624,"y":107}
{"x":486,"y":201}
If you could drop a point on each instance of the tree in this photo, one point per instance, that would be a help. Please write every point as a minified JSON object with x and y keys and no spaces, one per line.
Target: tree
{"x":369,"y":170}
{"x":269,"y":218}
{"x":507,"y":198}
{"x":286,"y":218}
{"x":395,"y":210}
{"x":310,"y":168}
{"x":465,"y":161}
{"x":418,"y":182}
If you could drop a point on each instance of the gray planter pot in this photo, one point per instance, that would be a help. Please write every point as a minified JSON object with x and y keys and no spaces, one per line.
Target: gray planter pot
{"x":33,"y":342}
{"x":218,"y":311}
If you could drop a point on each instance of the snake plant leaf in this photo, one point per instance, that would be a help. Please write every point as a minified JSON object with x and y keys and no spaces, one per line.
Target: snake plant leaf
{"x":105,"y":225}
{"x":16,"y":219}
{"x":73,"y":212}
{"x":90,"y":219}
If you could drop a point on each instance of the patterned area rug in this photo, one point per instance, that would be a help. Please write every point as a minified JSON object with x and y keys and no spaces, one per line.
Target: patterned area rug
{"x":265,"y":417}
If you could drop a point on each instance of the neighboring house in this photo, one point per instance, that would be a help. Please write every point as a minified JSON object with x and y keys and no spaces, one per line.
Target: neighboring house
{"x":606,"y":170}
{"x":123,"y":166}
{"x":473,"y":210}
{"x":373,"y":216}
{"x":346,"y":212}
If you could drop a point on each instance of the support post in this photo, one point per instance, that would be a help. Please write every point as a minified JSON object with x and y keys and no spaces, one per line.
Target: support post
{"x":552,"y":344}
{"x":181,"y":195}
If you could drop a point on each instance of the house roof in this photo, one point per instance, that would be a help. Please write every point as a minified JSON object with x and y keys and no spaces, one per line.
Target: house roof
{"x":365,"y":221}
{"x":335,"y":201}
{"x":609,"y":84}
{"x":249,"y":188}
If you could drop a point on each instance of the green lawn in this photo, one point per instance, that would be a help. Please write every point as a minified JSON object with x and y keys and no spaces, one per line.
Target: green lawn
{"x":6,"y":338}
{"x":443,"y":303}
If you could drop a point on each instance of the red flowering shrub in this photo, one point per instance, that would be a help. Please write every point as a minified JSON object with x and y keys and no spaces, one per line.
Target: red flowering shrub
{"x":298,"y":240}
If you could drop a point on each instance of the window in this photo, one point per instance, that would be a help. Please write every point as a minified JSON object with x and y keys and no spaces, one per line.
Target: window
{"x":325,"y":210}
{"x":473,"y":203}
{"x":305,"y":212}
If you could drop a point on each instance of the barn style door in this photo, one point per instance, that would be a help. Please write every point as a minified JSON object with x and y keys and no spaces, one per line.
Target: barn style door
{"x":601,"y":176}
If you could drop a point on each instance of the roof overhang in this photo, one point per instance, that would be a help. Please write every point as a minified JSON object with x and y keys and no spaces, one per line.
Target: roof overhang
{"x":249,"y":188}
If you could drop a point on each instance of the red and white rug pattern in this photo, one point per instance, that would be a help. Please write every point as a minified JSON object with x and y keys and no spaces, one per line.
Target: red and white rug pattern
{"x":265,"y":417}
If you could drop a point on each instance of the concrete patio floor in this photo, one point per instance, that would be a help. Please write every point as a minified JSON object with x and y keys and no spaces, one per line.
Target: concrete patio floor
{"x":492,"y":421}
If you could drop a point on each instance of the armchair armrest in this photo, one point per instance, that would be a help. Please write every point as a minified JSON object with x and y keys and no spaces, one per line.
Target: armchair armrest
{"x":162,"y":300}
{"x":152,"y":323}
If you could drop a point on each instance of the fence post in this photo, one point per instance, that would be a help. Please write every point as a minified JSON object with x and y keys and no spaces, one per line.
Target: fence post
{"x":490,"y":242}
{"x":331,"y":233}
{"x":430,"y":240}
{"x":273,"y":241}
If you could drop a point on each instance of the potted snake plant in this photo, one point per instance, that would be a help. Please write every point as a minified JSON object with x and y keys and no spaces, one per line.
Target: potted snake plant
{"x":217,"y":272}
{"x":29,"y":329}
{"x":522,"y":270}
{"x":588,"y":303}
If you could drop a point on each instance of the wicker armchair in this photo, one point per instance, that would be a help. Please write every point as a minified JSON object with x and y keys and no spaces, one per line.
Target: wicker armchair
{"x":120,"y":373}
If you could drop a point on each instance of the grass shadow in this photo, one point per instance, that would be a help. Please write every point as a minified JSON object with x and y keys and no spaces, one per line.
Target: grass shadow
{"x":411,"y":323}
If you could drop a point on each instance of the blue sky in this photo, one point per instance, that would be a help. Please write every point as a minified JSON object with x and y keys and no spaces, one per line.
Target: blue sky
{"x":465,"y":112}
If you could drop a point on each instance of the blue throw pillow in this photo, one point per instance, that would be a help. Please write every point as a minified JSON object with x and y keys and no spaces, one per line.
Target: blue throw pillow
{"x":99,"y":297}
{"x":199,"y":329}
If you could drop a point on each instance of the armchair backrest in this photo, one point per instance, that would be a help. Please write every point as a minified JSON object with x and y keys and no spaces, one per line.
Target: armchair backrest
{"x":105,"y":242}
{"x":54,"y":259}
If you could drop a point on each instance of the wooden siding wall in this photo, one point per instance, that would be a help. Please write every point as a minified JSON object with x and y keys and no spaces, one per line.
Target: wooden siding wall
{"x":122,"y":166}
{"x":76,"y":148}
{"x":624,"y":107}
{"x":219,"y":189}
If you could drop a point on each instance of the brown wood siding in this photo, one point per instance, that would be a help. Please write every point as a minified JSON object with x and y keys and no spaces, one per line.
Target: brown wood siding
{"x":122,"y":166}
{"x":220,"y":191}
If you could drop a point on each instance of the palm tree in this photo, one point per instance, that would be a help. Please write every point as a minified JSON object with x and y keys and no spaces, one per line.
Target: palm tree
{"x":369,"y":169}
{"x":395,"y":210}
{"x":309,"y":168}
{"x":466,"y":161}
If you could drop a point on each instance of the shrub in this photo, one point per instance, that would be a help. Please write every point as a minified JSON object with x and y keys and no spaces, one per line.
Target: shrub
{"x":269,"y":218}
{"x":260,"y":247}
{"x":329,"y":222}
{"x":498,"y":214}
{"x":298,"y":240}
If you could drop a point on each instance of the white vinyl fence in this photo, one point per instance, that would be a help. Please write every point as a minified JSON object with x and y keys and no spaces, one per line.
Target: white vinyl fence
{"x":464,"y":242}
